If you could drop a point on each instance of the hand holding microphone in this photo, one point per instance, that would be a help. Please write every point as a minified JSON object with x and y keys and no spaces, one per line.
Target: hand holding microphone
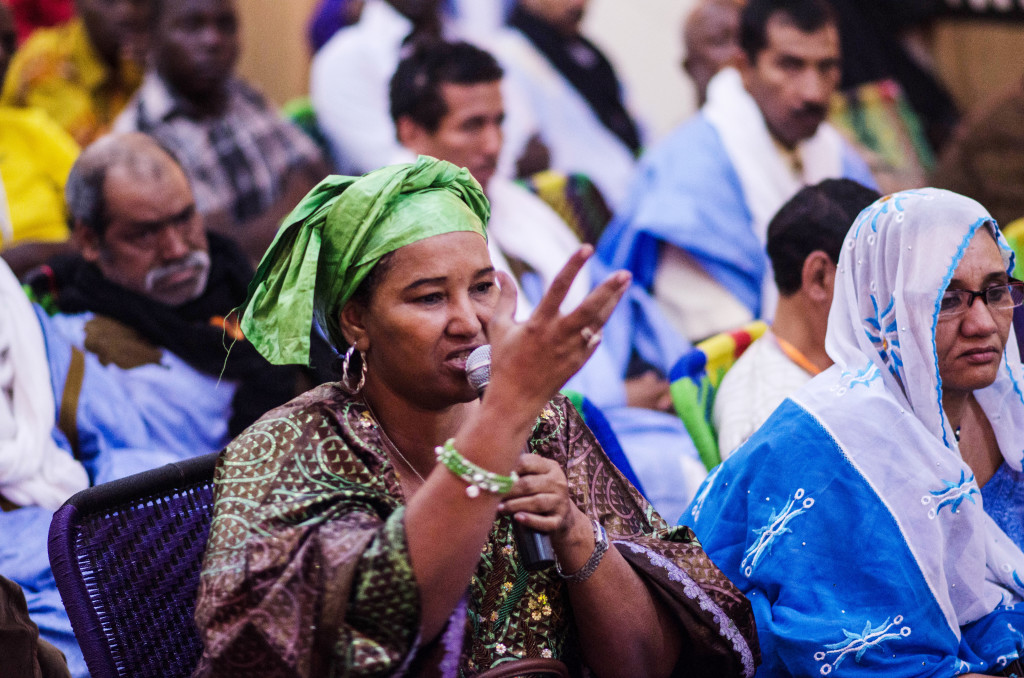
{"x":535,"y":548}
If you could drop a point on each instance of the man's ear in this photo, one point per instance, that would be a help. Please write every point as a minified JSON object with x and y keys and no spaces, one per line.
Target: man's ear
{"x":411,"y":134}
{"x":87,"y":241}
{"x":818,"y":277}
{"x":353,"y":325}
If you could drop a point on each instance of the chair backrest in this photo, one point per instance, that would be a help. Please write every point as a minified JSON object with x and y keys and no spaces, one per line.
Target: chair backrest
{"x":694,"y":380}
{"x":126,"y":557}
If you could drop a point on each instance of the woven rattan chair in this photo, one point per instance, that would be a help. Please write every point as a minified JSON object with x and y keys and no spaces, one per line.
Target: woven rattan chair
{"x":126,"y":557}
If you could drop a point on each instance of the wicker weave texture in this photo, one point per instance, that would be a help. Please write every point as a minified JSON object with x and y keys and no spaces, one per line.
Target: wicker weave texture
{"x":140,"y":563}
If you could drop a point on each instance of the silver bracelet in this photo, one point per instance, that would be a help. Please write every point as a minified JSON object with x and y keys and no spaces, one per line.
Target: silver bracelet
{"x":600,"y":546}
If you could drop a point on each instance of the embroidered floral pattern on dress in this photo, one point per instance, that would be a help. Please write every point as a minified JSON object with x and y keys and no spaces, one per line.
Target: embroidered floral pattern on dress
{"x":776,"y":527}
{"x":895,"y":203}
{"x":702,"y":495}
{"x":858,"y":644}
{"x":861,"y":377}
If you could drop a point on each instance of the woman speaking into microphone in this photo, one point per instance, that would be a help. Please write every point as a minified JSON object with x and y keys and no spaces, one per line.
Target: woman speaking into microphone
{"x":365,"y":528}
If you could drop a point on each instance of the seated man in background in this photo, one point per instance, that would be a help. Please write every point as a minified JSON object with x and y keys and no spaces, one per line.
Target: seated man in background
{"x":693,"y":229}
{"x":573,"y":93}
{"x":446,"y":101}
{"x":82,"y":73}
{"x":804,"y":240}
{"x":35,"y":158}
{"x":247,"y":166}
{"x":152,"y":296}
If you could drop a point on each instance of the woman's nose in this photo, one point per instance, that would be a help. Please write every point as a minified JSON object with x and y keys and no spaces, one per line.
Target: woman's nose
{"x":465,"y":319}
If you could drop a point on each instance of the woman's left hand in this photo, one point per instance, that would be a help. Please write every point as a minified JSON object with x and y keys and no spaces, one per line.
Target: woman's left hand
{"x":540,"y":500}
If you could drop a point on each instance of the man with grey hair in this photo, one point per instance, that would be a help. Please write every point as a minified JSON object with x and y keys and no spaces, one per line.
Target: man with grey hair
{"x":151,"y":294}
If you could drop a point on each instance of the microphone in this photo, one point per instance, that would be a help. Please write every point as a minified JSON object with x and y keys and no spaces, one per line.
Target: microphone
{"x":535,"y":548}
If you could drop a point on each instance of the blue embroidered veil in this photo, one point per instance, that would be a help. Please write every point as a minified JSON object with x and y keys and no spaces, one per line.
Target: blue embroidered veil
{"x":850,"y":519}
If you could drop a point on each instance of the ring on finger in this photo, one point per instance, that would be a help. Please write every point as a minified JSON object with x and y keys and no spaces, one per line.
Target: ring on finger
{"x":591,"y":337}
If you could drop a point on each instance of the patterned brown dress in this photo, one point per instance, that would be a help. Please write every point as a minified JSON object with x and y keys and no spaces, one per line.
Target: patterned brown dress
{"x":307,"y":571}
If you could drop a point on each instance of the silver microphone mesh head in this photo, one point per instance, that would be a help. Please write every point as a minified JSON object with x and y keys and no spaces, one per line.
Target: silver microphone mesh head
{"x":478,"y":367}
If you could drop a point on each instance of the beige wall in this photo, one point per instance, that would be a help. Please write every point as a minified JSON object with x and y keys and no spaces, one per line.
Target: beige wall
{"x":275,"y":55}
{"x":642,"y":39}
{"x":978,"y":59}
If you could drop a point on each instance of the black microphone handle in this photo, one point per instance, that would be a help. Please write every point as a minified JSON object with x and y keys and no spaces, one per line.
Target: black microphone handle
{"x":535,"y":549}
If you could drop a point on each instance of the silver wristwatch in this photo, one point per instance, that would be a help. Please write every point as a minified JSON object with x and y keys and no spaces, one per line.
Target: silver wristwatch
{"x":600,"y":546}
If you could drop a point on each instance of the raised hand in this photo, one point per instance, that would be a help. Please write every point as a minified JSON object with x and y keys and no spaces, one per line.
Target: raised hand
{"x":531,"y":361}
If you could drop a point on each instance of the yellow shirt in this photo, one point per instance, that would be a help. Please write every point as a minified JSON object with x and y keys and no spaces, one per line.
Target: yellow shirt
{"x":35,"y":158}
{"x":58,"y":71}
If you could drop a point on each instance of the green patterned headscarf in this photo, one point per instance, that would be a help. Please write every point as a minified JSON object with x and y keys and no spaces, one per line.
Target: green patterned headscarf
{"x":331,"y":241}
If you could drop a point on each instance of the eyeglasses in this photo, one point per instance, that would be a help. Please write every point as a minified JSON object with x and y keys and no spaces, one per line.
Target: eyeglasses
{"x":998,"y":297}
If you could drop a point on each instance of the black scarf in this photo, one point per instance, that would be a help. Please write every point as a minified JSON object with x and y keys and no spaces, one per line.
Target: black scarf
{"x":595,"y":81}
{"x":186,"y":330}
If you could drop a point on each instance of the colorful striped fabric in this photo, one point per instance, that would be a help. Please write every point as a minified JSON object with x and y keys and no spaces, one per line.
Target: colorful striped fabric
{"x":694,"y":381}
{"x":575,"y":198}
{"x":876,"y":116}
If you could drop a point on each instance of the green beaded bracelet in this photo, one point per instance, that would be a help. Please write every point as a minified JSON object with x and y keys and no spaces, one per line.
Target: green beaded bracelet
{"x":477,"y":478}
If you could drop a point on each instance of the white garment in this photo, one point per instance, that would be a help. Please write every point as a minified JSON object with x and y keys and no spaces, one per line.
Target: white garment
{"x":697,"y":305}
{"x":750,"y":391}
{"x":894,"y":267}
{"x":577,"y":139}
{"x":349,"y":87}
{"x":768,"y":181}
{"x":34,"y":470}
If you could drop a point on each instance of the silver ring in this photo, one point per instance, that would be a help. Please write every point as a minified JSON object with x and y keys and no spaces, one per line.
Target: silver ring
{"x":591,"y":337}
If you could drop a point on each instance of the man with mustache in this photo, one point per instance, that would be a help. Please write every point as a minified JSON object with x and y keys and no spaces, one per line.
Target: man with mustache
{"x":247,"y":166}
{"x":693,"y":228}
{"x":151,"y":295}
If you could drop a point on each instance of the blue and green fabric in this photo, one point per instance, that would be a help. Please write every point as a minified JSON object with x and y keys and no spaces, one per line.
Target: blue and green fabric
{"x":694,"y":380}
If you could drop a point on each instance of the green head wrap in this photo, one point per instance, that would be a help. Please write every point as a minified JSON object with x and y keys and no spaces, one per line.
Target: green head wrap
{"x":335,"y":236}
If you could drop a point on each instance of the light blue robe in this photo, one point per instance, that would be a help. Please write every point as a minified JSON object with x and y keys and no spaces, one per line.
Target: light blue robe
{"x":115,"y":440}
{"x":686,"y":193}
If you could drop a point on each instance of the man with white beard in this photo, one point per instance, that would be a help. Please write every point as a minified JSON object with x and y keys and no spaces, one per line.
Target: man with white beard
{"x":151,"y":295}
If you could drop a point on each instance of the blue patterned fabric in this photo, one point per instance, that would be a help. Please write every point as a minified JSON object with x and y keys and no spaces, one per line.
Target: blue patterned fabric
{"x":850,"y":519}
